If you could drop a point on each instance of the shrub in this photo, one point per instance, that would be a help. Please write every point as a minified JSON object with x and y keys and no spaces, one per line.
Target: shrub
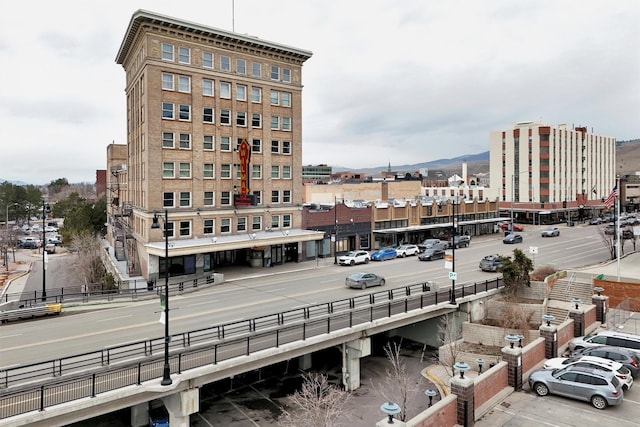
{"x":540,"y":273}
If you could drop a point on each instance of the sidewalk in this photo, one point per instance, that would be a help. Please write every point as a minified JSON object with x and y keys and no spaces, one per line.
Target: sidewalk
{"x":16,"y":272}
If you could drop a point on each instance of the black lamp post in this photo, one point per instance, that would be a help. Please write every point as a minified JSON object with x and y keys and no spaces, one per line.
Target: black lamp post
{"x":45,"y":210}
{"x":335,"y":230}
{"x":166,"y":373}
{"x":453,"y":253}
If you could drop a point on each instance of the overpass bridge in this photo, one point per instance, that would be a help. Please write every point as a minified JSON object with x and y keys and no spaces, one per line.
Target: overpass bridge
{"x":83,"y":386}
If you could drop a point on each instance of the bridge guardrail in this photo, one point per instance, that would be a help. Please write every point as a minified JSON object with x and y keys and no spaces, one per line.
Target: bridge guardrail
{"x":202,"y":347}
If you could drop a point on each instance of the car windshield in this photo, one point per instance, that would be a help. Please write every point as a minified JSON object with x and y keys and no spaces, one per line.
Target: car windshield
{"x":352,"y":254}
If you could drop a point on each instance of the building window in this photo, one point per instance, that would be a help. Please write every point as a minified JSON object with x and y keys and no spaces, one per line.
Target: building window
{"x":275,"y":122}
{"x":241,"y":92}
{"x":209,"y":198}
{"x":185,"y":228}
{"x":207,"y":142}
{"x":168,"y":170}
{"x":286,"y":123}
{"x":256,"y":95}
{"x":286,"y":147}
{"x":275,"y":72}
{"x":225,"y":171}
{"x":167,"y":140}
{"x":185,"y":112}
{"x":185,"y":170}
{"x":225,"y":143}
{"x":207,"y":170}
{"x":225,"y":117}
{"x":286,"y":196}
{"x":184,"y":84}
{"x":207,"y":87}
{"x":286,"y":221}
{"x":275,"y":146}
{"x":256,"y":69}
{"x":207,"y":115}
{"x":167,"y":111}
{"x":275,"y":221}
{"x":167,"y":52}
{"x":286,"y":172}
{"x":256,"y":120}
{"x":241,"y":66}
{"x":242,"y":224}
{"x":275,"y":196}
{"x":275,"y":98}
{"x":256,"y":171}
{"x":241,"y":118}
{"x":256,"y":223}
{"x":225,"y":197}
{"x":185,"y":199}
{"x":208,"y":226}
{"x":169,"y":229}
{"x":167,"y":199}
{"x":225,"y":63}
{"x":258,"y":196}
{"x":275,"y":171}
{"x":207,"y":59}
{"x":185,"y":140}
{"x":285,"y":99}
{"x":256,"y":146}
{"x":225,"y":225}
{"x":184,"y":55}
{"x":286,"y":75}
{"x":167,"y":81}
{"x":225,"y":90}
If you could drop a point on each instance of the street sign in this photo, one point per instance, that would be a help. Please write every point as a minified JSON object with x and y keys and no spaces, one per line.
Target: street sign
{"x":453,"y":275}
{"x":533,"y":250}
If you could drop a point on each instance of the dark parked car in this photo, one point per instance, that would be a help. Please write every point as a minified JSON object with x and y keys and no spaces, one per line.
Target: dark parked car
{"x":431,"y":254}
{"x":490,"y":263}
{"x":582,"y":383}
{"x":384,"y":254}
{"x":459,"y":242}
{"x":627,"y":357}
{"x":363,"y":280}
{"x":512,"y":238}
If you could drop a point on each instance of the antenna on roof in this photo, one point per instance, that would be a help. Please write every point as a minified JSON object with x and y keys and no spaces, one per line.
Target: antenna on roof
{"x":233,"y":15}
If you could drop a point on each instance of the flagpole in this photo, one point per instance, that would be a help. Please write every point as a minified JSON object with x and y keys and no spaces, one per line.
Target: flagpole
{"x":617,"y":223}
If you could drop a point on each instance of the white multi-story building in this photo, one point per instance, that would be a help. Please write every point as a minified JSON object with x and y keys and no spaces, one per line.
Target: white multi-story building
{"x":539,"y":163}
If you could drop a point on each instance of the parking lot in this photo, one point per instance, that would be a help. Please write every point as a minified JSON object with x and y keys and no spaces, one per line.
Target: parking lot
{"x":525,"y":408}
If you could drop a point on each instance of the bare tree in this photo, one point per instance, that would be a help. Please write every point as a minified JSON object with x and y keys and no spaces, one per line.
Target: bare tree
{"x":397,"y":383}
{"x":318,"y":404}
{"x":449,"y":333}
{"x":87,"y":264}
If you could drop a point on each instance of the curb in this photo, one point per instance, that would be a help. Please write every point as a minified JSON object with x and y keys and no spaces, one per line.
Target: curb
{"x":443,"y":390}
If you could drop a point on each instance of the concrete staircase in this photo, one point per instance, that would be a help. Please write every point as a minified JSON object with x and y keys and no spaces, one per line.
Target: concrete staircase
{"x":563,"y":291}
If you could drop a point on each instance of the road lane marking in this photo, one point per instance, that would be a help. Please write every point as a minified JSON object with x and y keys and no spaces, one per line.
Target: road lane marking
{"x":201,"y":303}
{"x":11,"y":336}
{"x":114,"y":318}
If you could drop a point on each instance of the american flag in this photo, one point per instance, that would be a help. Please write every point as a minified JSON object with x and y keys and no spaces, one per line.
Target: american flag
{"x":612,"y":197}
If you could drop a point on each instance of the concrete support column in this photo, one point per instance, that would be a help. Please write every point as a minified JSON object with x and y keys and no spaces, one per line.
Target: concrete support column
{"x":601,"y":302}
{"x":140,"y":415}
{"x":513,"y":357}
{"x":578,"y":321}
{"x":304,"y":362}
{"x":463,"y":388}
{"x":352,"y":351}
{"x":550,"y":335}
{"x":181,"y":405}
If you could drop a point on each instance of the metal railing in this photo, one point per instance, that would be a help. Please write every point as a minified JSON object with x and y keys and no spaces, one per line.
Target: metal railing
{"x":37,"y":386}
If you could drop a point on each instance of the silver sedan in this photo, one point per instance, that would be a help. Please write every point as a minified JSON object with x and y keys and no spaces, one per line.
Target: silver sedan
{"x":363,"y":280}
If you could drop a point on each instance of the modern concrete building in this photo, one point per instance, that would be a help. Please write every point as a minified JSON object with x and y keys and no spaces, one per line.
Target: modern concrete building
{"x":214,"y":137}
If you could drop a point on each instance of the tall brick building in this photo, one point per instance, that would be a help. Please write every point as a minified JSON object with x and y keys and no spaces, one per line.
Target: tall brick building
{"x":214,"y":136}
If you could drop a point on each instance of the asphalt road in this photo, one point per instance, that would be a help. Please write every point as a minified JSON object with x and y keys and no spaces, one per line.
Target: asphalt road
{"x":49,"y":338}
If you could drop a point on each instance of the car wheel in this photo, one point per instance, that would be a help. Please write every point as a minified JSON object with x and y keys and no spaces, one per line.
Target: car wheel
{"x":366,"y":260}
{"x":352,"y":262}
{"x":403,"y":255}
{"x":382,"y":282}
{"x":541,"y":389}
{"x":363,"y":286}
{"x":599,"y":402}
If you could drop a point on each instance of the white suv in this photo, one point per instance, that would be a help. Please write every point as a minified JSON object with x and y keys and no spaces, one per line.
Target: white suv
{"x":620,"y":371}
{"x":407,"y":250}
{"x":355,"y":257}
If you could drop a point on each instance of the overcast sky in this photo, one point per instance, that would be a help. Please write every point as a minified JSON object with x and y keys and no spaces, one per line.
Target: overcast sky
{"x":390,"y":81}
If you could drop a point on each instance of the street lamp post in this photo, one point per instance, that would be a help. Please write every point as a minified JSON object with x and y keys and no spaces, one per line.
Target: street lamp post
{"x":166,"y":372}
{"x":453,"y":251}
{"x":45,"y":210}
{"x":6,"y":223}
{"x":335,"y":230}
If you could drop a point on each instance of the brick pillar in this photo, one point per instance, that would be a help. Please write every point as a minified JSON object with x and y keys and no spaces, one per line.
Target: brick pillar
{"x":550,"y":335}
{"x":578,"y":321}
{"x":601,"y":302}
{"x":513,"y":357}
{"x":463,"y":388}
